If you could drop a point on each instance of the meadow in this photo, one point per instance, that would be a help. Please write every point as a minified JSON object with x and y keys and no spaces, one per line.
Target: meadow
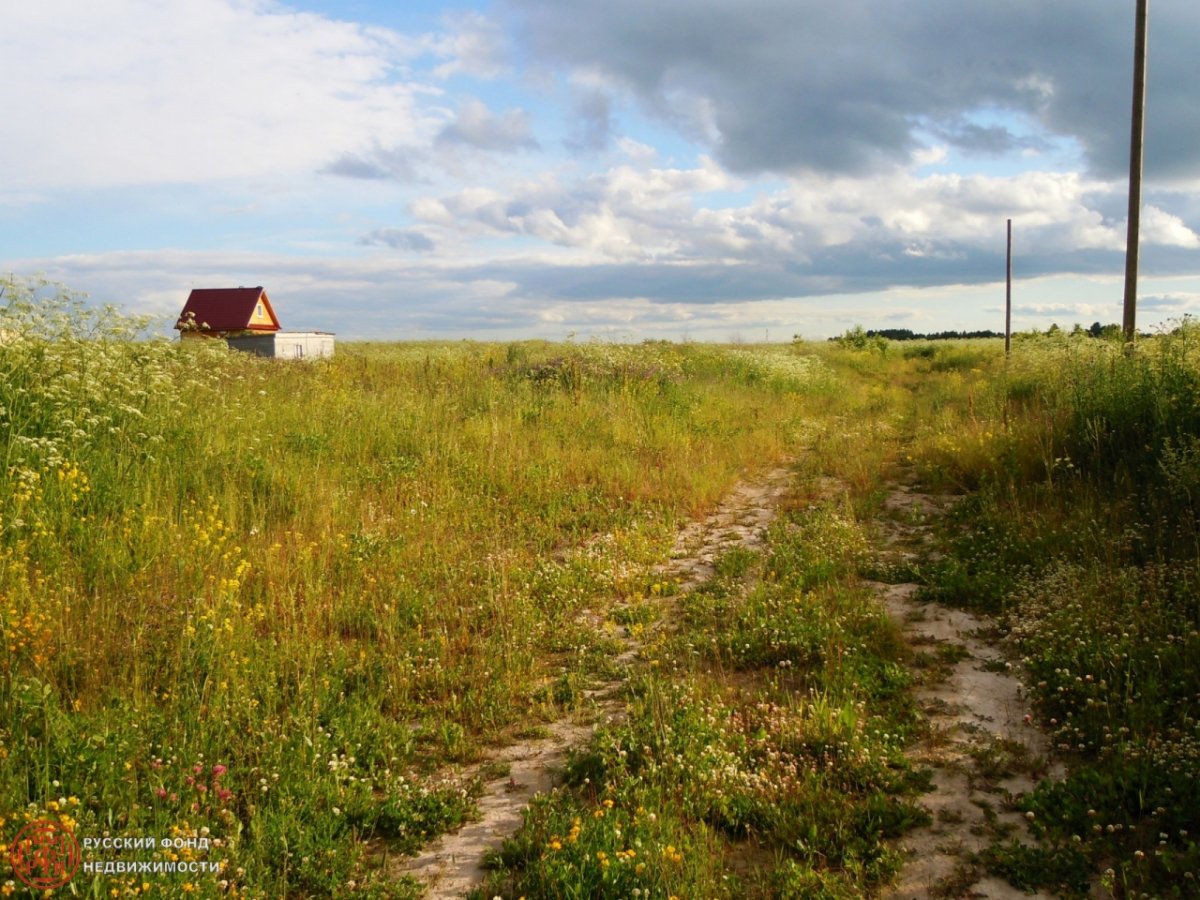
{"x":272,"y":605}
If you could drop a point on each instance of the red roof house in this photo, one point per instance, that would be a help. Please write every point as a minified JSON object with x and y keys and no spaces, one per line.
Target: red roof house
{"x":221,"y":312}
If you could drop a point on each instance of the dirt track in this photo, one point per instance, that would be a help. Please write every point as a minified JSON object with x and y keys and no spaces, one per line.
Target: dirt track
{"x":978,"y":745}
{"x":452,"y":864}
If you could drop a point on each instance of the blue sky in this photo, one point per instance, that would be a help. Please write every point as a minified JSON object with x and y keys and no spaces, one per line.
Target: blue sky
{"x":526,"y":168}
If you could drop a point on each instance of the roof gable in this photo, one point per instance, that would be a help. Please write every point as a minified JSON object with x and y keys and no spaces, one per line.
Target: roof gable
{"x":229,"y":309}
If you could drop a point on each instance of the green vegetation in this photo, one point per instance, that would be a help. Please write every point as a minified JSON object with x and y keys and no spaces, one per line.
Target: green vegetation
{"x":787,"y":780}
{"x":267,"y":604}
{"x":1081,"y":534}
{"x":326,"y":580}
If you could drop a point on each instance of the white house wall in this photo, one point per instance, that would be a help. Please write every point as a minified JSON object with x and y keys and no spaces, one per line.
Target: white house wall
{"x":285,"y":344}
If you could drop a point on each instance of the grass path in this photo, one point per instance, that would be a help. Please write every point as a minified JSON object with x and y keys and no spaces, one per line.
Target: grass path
{"x":979,"y":743}
{"x":453,"y":864}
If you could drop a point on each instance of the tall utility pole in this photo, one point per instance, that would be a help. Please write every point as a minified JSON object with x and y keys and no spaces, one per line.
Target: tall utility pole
{"x":1136,"y":142}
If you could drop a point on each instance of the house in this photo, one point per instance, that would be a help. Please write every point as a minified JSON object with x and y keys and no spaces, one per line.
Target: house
{"x":246,"y":320}
{"x":220,"y":312}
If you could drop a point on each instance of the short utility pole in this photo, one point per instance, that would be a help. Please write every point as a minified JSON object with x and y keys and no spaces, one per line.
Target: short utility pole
{"x":1008,"y":295}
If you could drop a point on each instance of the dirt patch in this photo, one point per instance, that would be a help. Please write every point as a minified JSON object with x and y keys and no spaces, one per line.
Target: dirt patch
{"x":980,"y":745}
{"x":452,"y":865}
{"x":740,"y":521}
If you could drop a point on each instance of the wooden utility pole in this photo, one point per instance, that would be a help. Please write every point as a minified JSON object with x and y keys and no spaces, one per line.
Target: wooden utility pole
{"x":1136,"y":142}
{"x":1008,"y":295}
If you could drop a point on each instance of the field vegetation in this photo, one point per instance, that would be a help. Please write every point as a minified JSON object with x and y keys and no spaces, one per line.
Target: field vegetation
{"x":274,"y":604}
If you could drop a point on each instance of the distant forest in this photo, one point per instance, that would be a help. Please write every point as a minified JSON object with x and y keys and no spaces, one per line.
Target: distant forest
{"x":904,"y":334}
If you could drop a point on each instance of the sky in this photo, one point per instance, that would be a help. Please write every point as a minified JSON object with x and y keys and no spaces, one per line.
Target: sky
{"x":699,"y":170}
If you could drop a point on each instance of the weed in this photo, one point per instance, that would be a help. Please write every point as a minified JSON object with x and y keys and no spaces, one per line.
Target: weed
{"x":815,"y":779}
{"x":1082,"y":533}
{"x":1062,"y":869}
{"x":332,"y":579}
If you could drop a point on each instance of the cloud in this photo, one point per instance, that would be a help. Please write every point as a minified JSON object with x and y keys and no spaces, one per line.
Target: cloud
{"x":795,"y":85}
{"x":1072,"y":311}
{"x":472,"y":45}
{"x":624,"y":213}
{"x":128,"y":92}
{"x":986,"y":140}
{"x":16,"y":199}
{"x":377,"y":164}
{"x":828,"y":151}
{"x":478,"y":128}
{"x":399,"y":239}
{"x":593,"y":125}
{"x":393,"y":296}
{"x":943,"y":222}
{"x":1174,"y":302}
{"x":1159,"y":227}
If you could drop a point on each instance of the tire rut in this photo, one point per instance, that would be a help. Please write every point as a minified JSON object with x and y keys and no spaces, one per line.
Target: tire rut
{"x":453,"y":864}
{"x":979,"y":744}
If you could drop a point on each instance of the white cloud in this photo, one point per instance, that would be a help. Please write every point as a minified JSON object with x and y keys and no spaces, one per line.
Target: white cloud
{"x":629,"y":213}
{"x":1159,"y":227}
{"x":636,"y":151}
{"x":1172,"y":302}
{"x":123,"y":92}
{"x":14,"y":199}
{"x":473,"y":45}
{"x":477,"y":127}
{"x":625,"y":213}
{"x":947,"y":209}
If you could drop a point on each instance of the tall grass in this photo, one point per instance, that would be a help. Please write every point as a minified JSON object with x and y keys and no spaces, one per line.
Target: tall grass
{"x":325,"y":581}
{"x":784,"y":781}
{"x":268,"y":603}
{"x":1082,"y":533}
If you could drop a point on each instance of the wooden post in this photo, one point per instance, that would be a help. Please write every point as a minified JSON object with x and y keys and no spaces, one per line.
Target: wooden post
{"x":1136,"y":142}
{"x":1008,"y":295}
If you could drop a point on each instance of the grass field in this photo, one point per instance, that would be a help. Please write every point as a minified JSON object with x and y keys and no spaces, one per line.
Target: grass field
{"x":267,"y":604}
